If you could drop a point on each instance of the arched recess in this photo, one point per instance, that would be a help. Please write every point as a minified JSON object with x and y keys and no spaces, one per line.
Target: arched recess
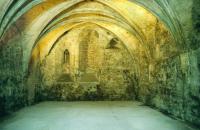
{"x":45,"y":45}
{"x":57,"y":18}
{"x":99,"y":21}
{"x":49,"y":21}
{"x":66,"y":56}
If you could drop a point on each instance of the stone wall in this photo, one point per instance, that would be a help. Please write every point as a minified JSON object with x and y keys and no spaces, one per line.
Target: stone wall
{"x":102,"y":70}
{"x":13,"y":94}
{"x":172,"y":85}
{"x":97,"y":62}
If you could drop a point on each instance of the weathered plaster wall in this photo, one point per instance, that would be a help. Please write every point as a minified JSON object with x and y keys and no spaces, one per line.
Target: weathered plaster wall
{"x":172,"y":85}
{"x":12,"y":90}
{"x":107,"y":69}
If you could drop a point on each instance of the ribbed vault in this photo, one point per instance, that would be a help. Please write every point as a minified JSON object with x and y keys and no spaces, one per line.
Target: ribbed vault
{"x":148,"y":35}
{"x":67,"y":12}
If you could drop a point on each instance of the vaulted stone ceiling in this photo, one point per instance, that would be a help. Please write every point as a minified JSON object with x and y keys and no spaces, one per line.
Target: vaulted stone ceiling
{"x":158,"y":34}
{"x":36,"y":20}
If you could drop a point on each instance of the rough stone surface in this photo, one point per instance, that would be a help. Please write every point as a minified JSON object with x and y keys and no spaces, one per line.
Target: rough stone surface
{"x":12,"y":90}
{"x":109,"y":68}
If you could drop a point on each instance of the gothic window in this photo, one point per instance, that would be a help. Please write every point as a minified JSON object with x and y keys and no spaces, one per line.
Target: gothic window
{"x":66,"y":56}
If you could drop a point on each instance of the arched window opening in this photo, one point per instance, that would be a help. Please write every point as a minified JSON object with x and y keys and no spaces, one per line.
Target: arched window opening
{"x":66,"y":57}
{"x":112,"y":44}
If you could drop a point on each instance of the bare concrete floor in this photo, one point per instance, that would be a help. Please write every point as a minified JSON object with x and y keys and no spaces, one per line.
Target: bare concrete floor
{"x":90,"y":116}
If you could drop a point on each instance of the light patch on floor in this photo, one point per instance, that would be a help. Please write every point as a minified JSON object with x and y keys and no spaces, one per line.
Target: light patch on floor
{"x":90,"y":116}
